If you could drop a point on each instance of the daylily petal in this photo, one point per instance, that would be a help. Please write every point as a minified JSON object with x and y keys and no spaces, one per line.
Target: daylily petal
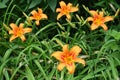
{"x":37,"y":22}
{"x":21,"y":25}
{"x":31,"y":18}
{"x":68,"y":16}
{"x":59,"y":16}
{"x":26,"y":30}
{"x":44,"y":16}
{"x":34,"y":12}
{"x":90,"y":19}
{"x":94,"y":26}
{"x":93,"y":12}
{"x":39,"y":10}
{"x":71,"y":68}
{"x":62,"y":4}
{"x":11,"y":32}
{"x":101,"y":13}
{"x":13,"y":26}
{"x":108,"y":18}
{"x":104,"y":27}
{"x":22,"y":37}
{"x":65,"y":48}
{"x":69,"y":5}
{"x":75,"y":50}
{"x":58,"y":10}
{"x":61,"y":66}
{"x":13,"y":37}
{"x":57,"y":55}
{"x":73,"y":9}
{"x":80,"y":61}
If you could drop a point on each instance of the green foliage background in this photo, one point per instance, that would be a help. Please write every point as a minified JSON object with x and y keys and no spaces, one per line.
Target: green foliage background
{"x":31,"y":60}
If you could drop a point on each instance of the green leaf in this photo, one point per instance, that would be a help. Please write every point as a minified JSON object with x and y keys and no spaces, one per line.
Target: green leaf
{"x":2,"y":5}
{"x":34,"y":3}
{"x":114,"y":34}
{"x":110,"y":44}
{"x":5,"y":1}
{"x":52,"y":4}
{"x":100,"y":3}
{"x":8,"y":52}
{"x":6,"y":74}
{"x":29,"y":73}
{"x":113,"y":67}
{"x":41,"y":69}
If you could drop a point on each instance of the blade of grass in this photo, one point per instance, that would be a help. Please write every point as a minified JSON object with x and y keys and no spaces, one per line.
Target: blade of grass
{"x":29,"y":73}
{"x":109,"y":74}
{"x":91,"y":75}
{"x":38,"y":32}
{"x":41,"y":69}
{"x":112,"y":64}
{"x":2,"y":66}
{"x":7,"y":10}
{"x":6,"y":74}
{"x":50,"y":76}
{"x":104,"y":75}
{"x":15,"y":71}
{"x":8,"y":52}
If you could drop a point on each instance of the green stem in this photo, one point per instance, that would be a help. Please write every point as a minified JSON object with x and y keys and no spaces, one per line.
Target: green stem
{"x":47,"y":26}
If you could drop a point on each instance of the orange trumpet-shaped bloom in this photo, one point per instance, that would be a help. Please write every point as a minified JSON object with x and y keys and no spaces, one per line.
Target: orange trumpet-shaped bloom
{"x":98,"y":20}
{"x":68,"y":57}
{"x":18,"y":31}
{"x":38,"y":16}
{"x":65,"y":10}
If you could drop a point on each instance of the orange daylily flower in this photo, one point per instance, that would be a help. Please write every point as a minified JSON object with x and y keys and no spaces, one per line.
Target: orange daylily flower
{"x":99,"y":20}
{"x":38,"y":16}
{"x":68,"y":57}
{"x":65,"y":10}
{"x":18,"y":31}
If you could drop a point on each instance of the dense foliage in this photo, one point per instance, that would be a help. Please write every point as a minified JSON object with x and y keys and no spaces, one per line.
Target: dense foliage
{"x":25,"y":50}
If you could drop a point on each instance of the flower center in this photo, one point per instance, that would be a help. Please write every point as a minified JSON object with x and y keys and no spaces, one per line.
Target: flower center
{"x":98,"y":20}
{"x":38,"y":16}
{"x":68,"y":59}
{"x":18,"y":32}
{"x":65,"y":10}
